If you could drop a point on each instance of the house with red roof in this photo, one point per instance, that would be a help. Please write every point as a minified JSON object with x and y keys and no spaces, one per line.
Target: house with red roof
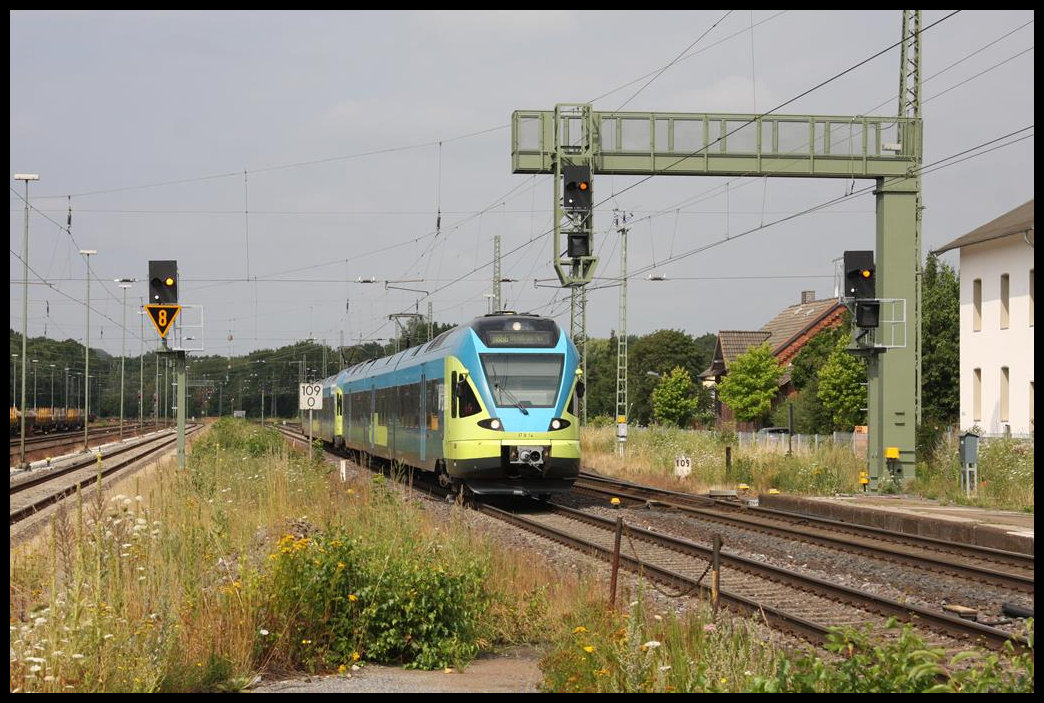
{"x":786,"y":334}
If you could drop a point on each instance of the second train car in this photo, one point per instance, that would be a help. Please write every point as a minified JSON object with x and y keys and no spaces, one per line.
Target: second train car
{"x":490,"y":407}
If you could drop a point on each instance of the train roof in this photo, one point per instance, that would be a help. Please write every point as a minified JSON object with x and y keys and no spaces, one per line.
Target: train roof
{"x":449,"y":341}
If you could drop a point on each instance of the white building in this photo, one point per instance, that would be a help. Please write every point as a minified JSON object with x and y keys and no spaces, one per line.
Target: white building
{"x":996,"y":279}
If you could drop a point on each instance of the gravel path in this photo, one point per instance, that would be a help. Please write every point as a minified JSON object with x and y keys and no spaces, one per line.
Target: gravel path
{"x":514,"y":671}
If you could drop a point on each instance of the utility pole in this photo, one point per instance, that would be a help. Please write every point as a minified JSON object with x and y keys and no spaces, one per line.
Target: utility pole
{"x":141,"y":367}
{"x":497,"y":305}
{"x":124,"y":283}
{"x":621,"y":341}
{"x":87,"y":354}
{"x":25,"y":307}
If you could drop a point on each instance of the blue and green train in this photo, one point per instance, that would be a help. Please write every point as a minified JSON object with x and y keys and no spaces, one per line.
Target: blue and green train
{"x":490,"y":407}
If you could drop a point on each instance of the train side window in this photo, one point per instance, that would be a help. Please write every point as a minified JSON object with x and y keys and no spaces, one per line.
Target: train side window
{"x":469,"y":404}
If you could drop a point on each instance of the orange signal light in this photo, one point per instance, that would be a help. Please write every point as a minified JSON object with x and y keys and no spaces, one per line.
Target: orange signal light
{"x":169,"y":281}
{"x":583,"y":185}
{"x":865,"y":273}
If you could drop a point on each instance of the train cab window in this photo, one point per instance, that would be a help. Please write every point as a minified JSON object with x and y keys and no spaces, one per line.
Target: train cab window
{"x":467,"y":402}
{"x":523,"y":380}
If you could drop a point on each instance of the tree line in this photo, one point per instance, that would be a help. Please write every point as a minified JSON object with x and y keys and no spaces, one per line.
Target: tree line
{"x":663,"y":370}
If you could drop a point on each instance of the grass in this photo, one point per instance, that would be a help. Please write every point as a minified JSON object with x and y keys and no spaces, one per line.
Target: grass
{"x":1005,"y":473}
{"x":651,"y":453}
{"x":1005,"y":466}
{"x":257,"y":559}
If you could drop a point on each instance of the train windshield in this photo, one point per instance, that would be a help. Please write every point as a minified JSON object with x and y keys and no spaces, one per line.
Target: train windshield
{"x":523,"y":380}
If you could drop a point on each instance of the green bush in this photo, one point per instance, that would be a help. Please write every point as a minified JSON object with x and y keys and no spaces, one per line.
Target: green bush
{"x":342,"y":598}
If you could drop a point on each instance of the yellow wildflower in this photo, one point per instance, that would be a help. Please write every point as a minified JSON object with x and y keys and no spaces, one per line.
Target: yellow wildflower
{"x":581,"y":628}
{"x":589,"y":649}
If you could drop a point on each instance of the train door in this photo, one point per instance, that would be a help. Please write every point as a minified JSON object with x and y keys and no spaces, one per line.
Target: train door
{"x":373,"y":410}
{"x":422,"y":418}
{"x":338,"y":428}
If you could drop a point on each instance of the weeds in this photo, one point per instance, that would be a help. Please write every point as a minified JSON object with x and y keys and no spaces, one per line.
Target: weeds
{"x":256,"y":559}
{"x":1005,"y":468}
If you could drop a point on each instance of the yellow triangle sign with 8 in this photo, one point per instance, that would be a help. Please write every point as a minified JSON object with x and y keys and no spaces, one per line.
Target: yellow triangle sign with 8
{"x":162,"y":317}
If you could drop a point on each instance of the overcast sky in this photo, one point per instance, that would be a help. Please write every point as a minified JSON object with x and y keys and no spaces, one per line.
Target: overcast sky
{"x":281,"y":156}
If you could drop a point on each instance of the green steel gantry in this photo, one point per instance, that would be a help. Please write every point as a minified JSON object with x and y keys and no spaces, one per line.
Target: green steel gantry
{"x":886,"y":149}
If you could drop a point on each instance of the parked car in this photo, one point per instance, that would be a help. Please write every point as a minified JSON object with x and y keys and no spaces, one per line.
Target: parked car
{"x":774,"y":430}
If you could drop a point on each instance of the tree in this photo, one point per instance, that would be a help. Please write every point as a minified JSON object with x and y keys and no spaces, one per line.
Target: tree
{"x":842,"y":389}
{"x":940,"y":343}
{"x":660,"y":352}
{"x":601,"y":377}
{"x":804,"y":369}
{"x":810,"y":417}
{"x":674,"y":400}
{"x":751,"y":384}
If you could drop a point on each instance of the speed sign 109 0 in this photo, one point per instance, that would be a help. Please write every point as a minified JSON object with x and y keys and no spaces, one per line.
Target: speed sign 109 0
{"x":311,"y":397}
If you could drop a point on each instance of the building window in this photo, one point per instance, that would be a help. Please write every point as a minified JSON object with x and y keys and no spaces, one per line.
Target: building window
{"x":977,"y":305}
{"x":1005,"y":288}
{"x":1004,"y":394}
{"x":977,"y":395}
{"x":1031,"y":298}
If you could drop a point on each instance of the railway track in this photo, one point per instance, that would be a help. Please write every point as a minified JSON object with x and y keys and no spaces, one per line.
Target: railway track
{"x":1007,"y":570}
{"x":54,"y":443}
{"x":800,"y":604}
{"x":33,"y":493}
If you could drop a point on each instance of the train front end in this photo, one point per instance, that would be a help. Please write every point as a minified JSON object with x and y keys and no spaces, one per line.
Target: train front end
{"x":513,"y":425}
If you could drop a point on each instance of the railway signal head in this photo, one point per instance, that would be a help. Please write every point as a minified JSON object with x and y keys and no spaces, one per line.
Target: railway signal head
{"x":859,"y":285}
{"x":859,"y":274}
{"x":163,"y":282}
{"x":576,"y":194}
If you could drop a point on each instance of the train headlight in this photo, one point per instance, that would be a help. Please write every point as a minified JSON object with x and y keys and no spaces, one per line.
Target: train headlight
{"x":558,"y":424}
{"x":491,"y":423}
